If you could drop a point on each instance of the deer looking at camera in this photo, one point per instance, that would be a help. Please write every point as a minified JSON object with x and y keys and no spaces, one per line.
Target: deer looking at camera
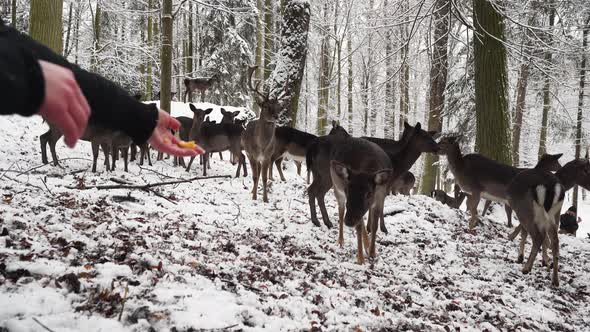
{"x":201,"y":84}
{"x":259,"y":137}
{"x":479,"y":176}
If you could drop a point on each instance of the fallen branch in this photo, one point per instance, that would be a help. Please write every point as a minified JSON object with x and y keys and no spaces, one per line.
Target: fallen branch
{"x":43,"y":326}
{"x":393,"y":213}
{"x":149,"y":185}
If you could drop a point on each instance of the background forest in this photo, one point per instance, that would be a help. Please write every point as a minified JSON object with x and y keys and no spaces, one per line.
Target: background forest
{"x":508,"y":75}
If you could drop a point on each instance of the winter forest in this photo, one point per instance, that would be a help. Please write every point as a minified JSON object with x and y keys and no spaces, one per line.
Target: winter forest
{"x":161,"y":250}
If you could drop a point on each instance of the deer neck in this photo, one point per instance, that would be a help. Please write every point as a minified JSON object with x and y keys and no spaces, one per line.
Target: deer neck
{"x":567,"y":177}
{"x":455,"y":158}
{"x":407,"y":157}
{"x":196,"y":129}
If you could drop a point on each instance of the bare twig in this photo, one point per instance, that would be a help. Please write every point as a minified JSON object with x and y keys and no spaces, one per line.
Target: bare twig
{"x":42,"y":325}
{"x":123,"y":301}
{"x":150,"y":185}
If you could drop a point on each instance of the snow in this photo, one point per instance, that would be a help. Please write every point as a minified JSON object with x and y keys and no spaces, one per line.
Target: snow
{"x":218,"y":260}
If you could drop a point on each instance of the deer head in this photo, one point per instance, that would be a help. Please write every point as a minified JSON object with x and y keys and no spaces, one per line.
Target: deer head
{"x":270,"y":107}
{"x":199,"y":115}
{"x":360,"y":189}
{"x":228,"y":117}
{"x":337,"y":130}
{"x":549,"y":162}
{"x":447,"y":144}
{"x":424,"y":140}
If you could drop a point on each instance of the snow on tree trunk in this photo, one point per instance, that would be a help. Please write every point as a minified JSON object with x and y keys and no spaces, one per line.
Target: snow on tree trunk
{"x":546,"y":89}
{"x":285,"y":80}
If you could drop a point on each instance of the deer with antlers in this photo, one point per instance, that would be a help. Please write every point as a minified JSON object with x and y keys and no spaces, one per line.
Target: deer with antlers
{"x":259,"y":136}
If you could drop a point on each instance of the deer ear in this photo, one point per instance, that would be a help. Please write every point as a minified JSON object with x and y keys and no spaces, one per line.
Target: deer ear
{"x":223,"y":111}
{"x":208,"y":111}
{"x":339,"y":169}
{"x":193,"y":108}
{"x":406,"y":124}
{"x":418,"y":126}
{"x":383,"y":176}
{"x":334,"y":124}
{"x":236,"y":113}
{"x":557,"y":156}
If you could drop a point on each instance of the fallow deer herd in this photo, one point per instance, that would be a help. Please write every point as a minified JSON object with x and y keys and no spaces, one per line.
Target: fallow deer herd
{"x":364,"y":170}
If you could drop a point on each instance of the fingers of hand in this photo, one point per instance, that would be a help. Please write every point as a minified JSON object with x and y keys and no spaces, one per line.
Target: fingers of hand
{"x":70,"y":129}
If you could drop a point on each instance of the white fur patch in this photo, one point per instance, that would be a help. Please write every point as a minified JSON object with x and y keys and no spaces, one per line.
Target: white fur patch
{"x":489,"y":197}
{"x":541,"y":192}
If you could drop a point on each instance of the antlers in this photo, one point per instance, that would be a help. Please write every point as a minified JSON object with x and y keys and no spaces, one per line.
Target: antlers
{"x":252,"y":88}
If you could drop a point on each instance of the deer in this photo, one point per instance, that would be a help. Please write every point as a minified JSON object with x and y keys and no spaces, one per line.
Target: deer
{"x":478,"y":176}
{"x":259,"y":137}
{"x":215,"y":137}
{"x":291,"y":143}
{"x":227,"y":117}
{"x":574,"y":172}
{"x":201,"y":84}
{"x":454,"y":202}
{"x":404,"y":153}
{"x":144,"y":151}
{"x":547,"y":162}
{"x":360,"y":184}
{"x":404,"y":184}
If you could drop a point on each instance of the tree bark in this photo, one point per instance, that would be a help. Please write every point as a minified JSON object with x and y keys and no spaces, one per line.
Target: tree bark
{"x":259,"y":55}
{"x":96,"y":24}
{"x":584,"y":56}
{"x":404,"y":82}
{"x":350,"y":81}
{"x":547,"y":87}
{"x":166,"y":56}
{"x":148,"y":78}
{"x":189,"y":60}
{"x":371,"y":76}
{"x":519,"y":108}
{"x":438,"y":82}
{"x":324,"y":77}
{"x":13,"y":13}
{"x":491,"y":105}
{"x":268,"y":37}
{"x":389,"y":129}
{"x":68,"y":33}
{"x":46,"y":23}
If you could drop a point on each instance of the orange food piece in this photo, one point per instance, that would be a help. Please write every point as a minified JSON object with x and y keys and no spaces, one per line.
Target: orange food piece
{"x":187,"y":145}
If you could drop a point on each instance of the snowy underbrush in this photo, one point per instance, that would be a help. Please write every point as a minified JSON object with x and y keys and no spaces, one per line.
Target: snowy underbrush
{"x":202,"y":255}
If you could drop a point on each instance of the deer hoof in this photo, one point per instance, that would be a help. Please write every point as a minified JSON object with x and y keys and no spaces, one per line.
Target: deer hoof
{"x":520,"y":259}
{"x":340,"y":242}
{"x":555,"y":282}
{"x":328,"y":224}
{"x":526,"y":270}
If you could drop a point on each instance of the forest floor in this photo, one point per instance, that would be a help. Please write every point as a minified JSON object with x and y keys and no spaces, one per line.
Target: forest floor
{"x":204,"y":256}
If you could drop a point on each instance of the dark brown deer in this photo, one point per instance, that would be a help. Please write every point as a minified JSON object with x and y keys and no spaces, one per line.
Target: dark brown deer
{"x":478,"y":176}
{"x":404,"y":153}
{"x":454,"y":202}
{"x":215,"y":137}
{"x":360,"y":172}
{"x":259,"y":136}
{"x":201,"y":84}
{"x":290,"y":143}
{"x":547,"y":162}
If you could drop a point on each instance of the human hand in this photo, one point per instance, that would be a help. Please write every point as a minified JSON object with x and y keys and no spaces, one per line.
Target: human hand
{"x":163,"y":140}
{"x":64,"y":105}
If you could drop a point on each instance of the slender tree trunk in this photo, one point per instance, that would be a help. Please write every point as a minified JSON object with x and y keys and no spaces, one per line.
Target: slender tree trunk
{"x":67,"y":46}
{"x":268,"y":38}
{"x":46,"y":23}
{"x":491,"y":105}
{"x":547,"y":86}
{"x":579,"y":136}
{"x":389,"y":129}
{"x":350,"y":81}
{"x":77,"y":31}
{"x":338,"y":46}
{"x":438,"y":82}
{"x":148,"y":79}
{"x":404,"y":83}
{"x":96,"y":45}
{"x":365,"y":99}
{"x":189,"y":60}
{"x":14,"y":14}
{"x":519,"y":111}
{"x":324,"y":79}
{"x":372,"y":77}
{"x":166,"y":56}
{"x":258,"y":57}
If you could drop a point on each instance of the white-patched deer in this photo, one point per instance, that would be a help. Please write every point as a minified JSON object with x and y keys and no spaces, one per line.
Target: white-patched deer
{"x":200,"y":84}
{"x":478,"y":176}
{"x":259,"y":136}
{"x":290,"y":143}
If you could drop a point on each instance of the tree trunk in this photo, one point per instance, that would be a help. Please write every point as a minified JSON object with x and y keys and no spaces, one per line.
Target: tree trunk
{"x":288,"y":74}
{"x":258,"y":56}
{"x":584,"y":56}
{"x":46,"y":23}
{"x":14,"y":14}
{"x":371,"y":76}
{"x":547,"y":87}
{"x":96,"y":44}
{"x":350,"y":81}
{"x":166,"y":56}
{"x":491,"y":105}
{"x":338,"y":46}
{"x":268,"y":37}
{"x":438,"y":82}
{"x":67,"y":46}
{"x":519,"y":111}
{"x":77,"y":31}
{"x":148,"y":78}
{"x":189,"y":60}
{"x":389,"y":129}
{"x":404,"y":82}
{"x":324,"y":78}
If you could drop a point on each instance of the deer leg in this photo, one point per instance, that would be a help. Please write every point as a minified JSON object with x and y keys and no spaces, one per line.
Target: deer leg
{"x":298,"y":165}
{"x":508,"y":210}
{"x":94,"y":156}
{"x":312,"y":192}
{"x":52,"y":142}
{"x":243,"y":161}
{"x":265,"y":165}
{"x":360,"y":258}
{"x":134,"y":153}
{"x":382,"y":223}
{"x":43,"y":139}
{"x":537,"y":240}
{"x":278,"y":164}
{"x":486,"y":206}
{"x":552,"y":233}
{"x":472,"y":202}
{"x":115,"y":155}
{"x":126,"y":158}
{"x":523,"y":236}
{"x":149,"y":156}
{"x":366,"y":240}
{"x":373,"y":219}
{"x":205,"y":163}
{"x":256,"y":175}
{"x":105,"y":150}
{"x":188,"y":167}
{"x":220,"y":155}
{"x":308,"y":175}
{"x":322,"y":204}
{"x":341,"y":200}
{"x":514,"y":233}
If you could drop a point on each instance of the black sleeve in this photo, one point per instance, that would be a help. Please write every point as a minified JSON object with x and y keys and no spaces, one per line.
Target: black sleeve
{"x":21,"y":82}
{"x":112,"y":107}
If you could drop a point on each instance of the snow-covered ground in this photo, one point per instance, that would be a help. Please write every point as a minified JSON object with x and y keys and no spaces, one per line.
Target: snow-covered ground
{"x":205,"y":256}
